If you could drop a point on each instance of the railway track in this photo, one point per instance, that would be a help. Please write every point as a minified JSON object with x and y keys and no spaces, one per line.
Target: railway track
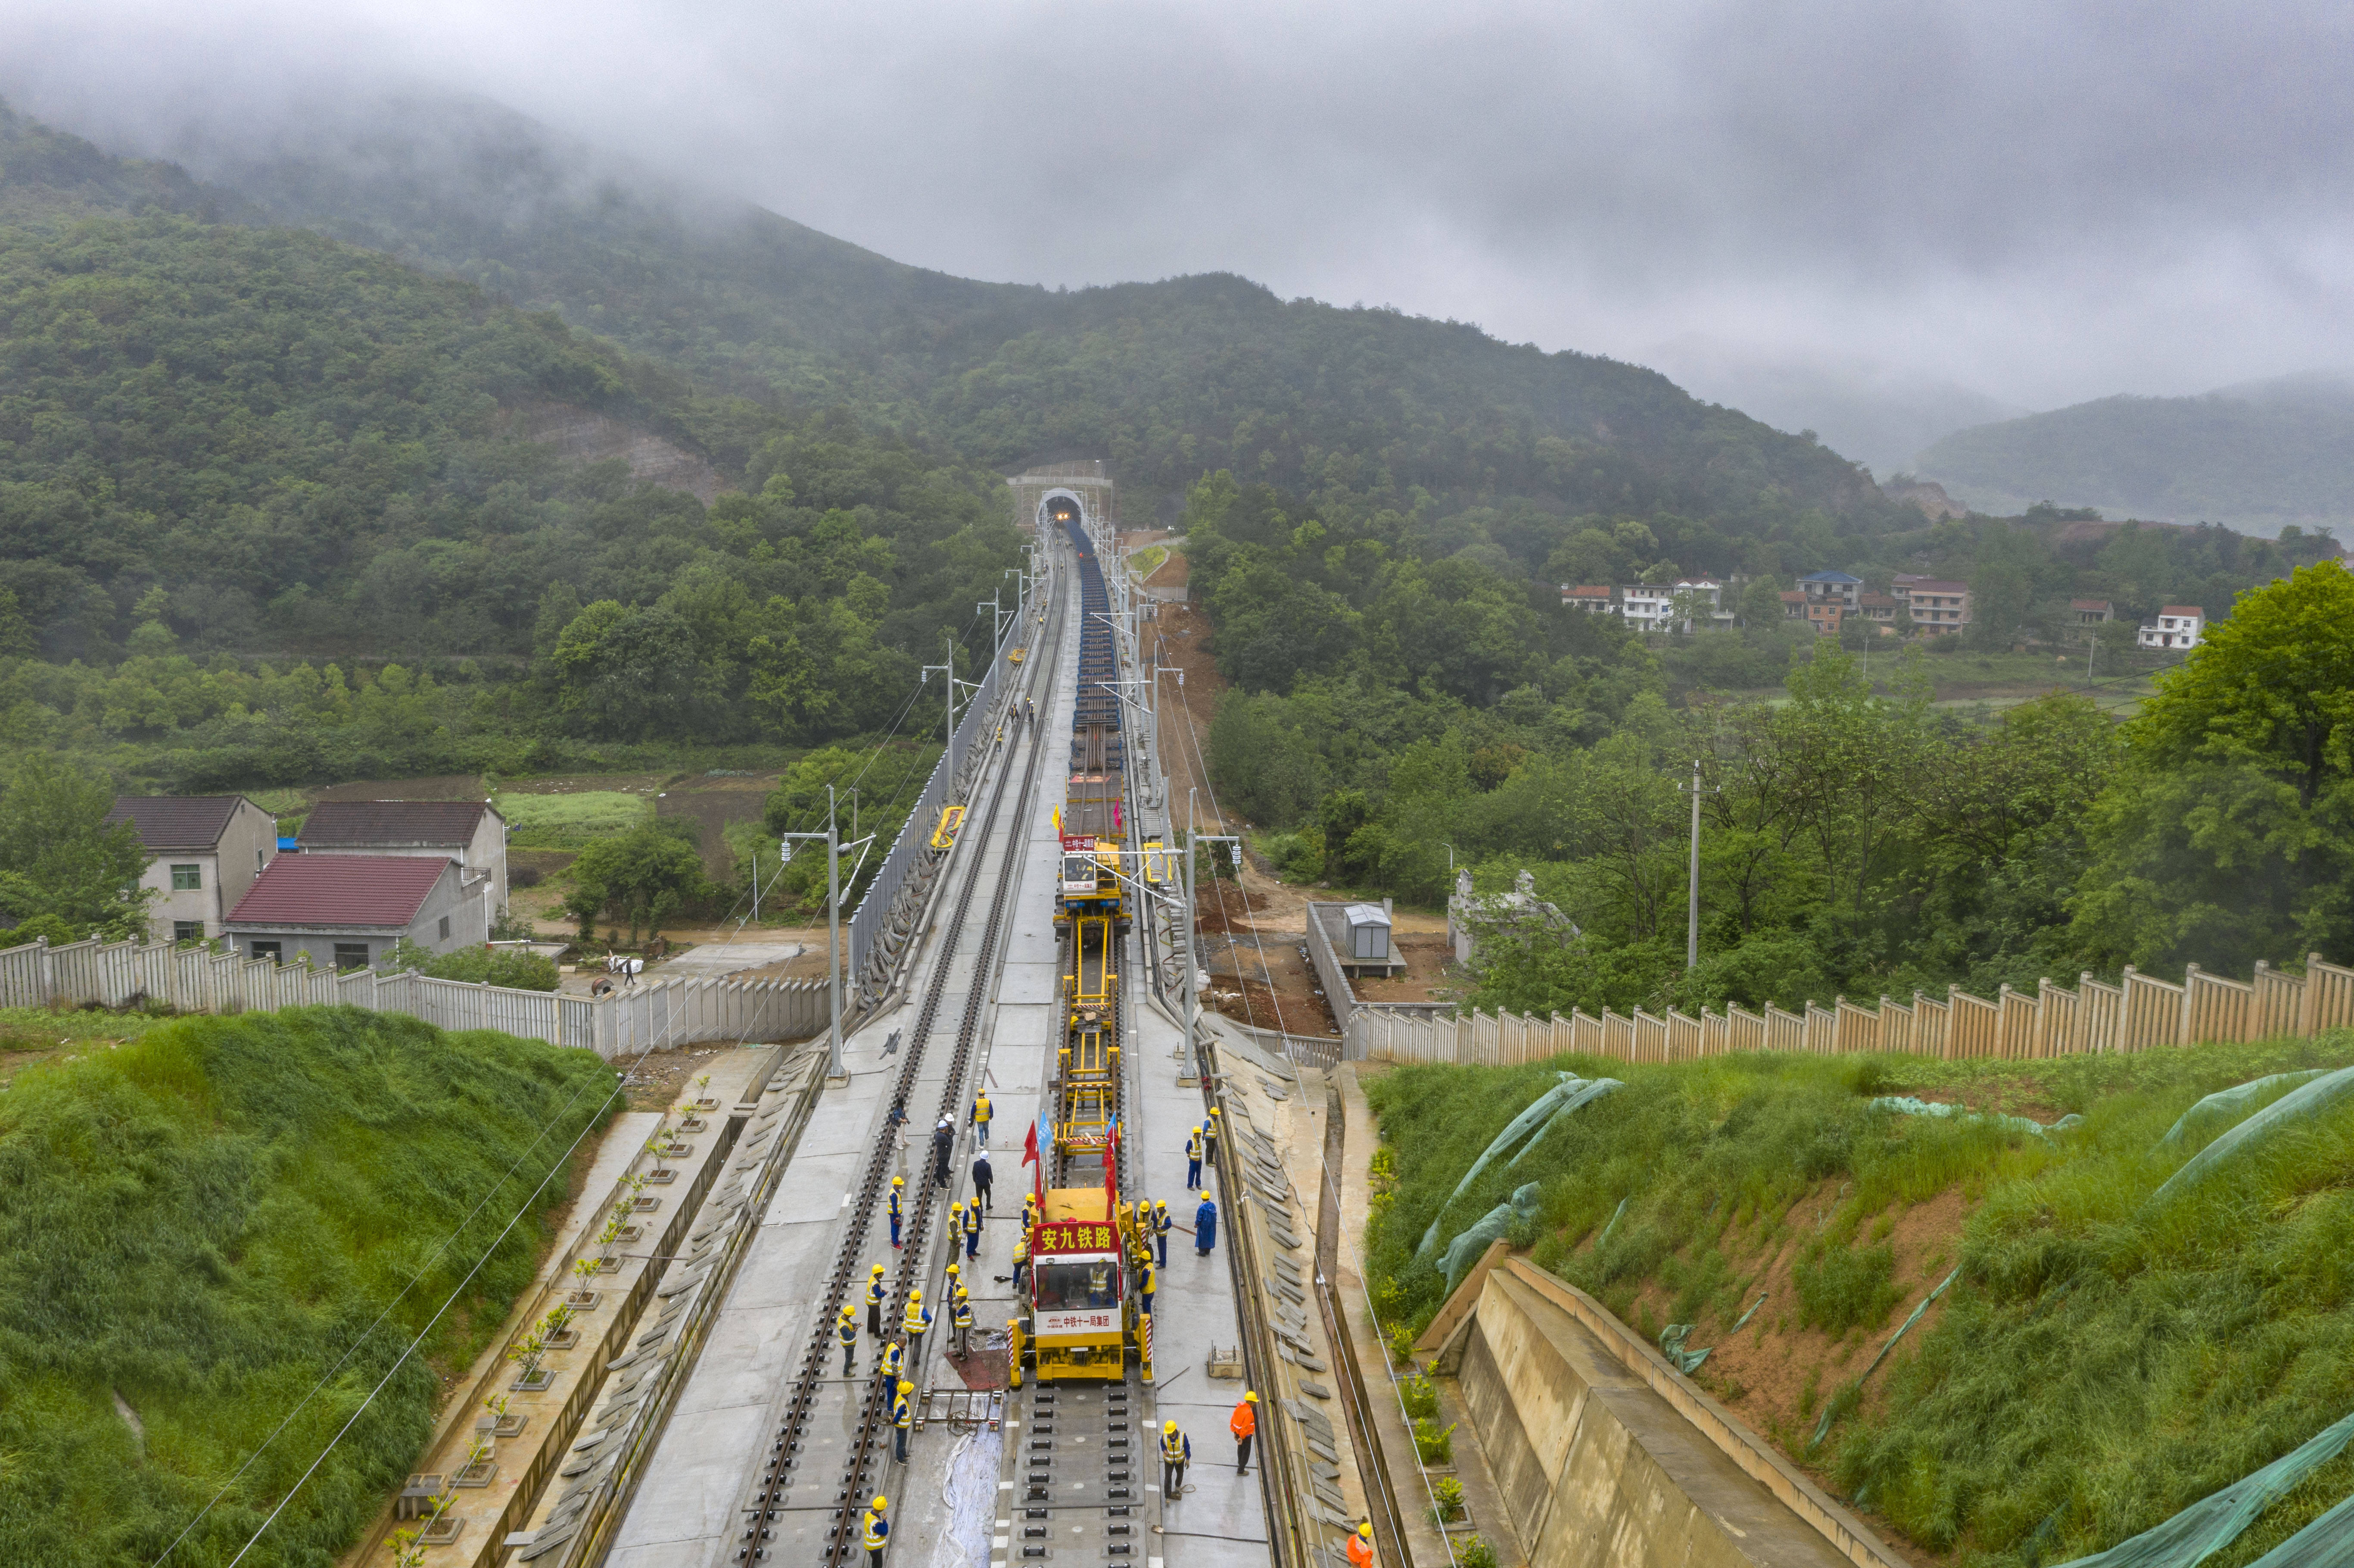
{"x":797,"y":1443}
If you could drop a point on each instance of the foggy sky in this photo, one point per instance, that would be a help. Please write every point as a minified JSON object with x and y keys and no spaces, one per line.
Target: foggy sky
{"x":2029,"y":204}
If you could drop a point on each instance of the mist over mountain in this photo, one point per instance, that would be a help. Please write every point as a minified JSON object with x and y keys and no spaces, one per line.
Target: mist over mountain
{"x":2257,"y":456}
{"x":1879,"y":414}
{"x":1169,"y":379}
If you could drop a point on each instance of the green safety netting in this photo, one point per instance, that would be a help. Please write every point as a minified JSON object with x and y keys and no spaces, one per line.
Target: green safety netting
{"x":2326,"y":1542}
{"x":1567,"y":1095}
{"x":1600,"y":1241}
{"x":1465,"y":1249}
{"x":2225,"y":1107}
{"x":1824,"y":1424}
{"x":1742,"y":1322}
{"x":2216,"y":1520}
{"x":1906,"y":1105}
{"x":1594,"y":1089}
{"x":1671,"y":1345}
{"x":2302,"y":1104}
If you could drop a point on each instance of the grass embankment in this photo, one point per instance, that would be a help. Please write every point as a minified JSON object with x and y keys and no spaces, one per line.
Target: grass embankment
{"x":2101,"y":1361}
{"x":204,"y":1220}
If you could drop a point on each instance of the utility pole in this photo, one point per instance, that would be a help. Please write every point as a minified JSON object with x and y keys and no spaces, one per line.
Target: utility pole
{"x":949,"y":670}
{"x":1691,"y":909}
{"x":1191,"y":1065}
{"x":832,"y":838}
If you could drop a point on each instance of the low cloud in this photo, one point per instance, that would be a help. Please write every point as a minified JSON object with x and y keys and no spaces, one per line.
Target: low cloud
{"x":2041,"y":203}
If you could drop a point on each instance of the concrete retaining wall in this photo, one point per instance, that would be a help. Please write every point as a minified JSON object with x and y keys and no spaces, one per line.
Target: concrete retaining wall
{"x":1600,"y":1468}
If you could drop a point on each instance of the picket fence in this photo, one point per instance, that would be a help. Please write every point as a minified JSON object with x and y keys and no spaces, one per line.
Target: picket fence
{"x":2137,"y":1014}
{"x":659,"y":1016}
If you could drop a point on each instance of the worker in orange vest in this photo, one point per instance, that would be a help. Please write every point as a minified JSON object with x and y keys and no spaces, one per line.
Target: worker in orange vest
{"x":1360,"y":1546}
{"x":1244,"y":1426}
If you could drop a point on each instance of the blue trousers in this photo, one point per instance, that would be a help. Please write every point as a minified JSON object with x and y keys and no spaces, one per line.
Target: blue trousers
{"x":1193,"y":1174}
{"x":1163,"y":1239}
{"x":971,"y":1245}
{"x":895,"y":1230}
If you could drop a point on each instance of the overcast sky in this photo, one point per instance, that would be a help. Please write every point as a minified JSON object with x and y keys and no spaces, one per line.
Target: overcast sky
{"x":2042,"y":202}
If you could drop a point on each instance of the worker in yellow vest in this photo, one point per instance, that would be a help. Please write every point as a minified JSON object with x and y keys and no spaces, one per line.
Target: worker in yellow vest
{"x":918,"y":1318}
{"x":961,"y":1316}
{"x":978,"y":1117}
{"x":903,"y":1415}
{"x":972,"y":1230}
{"x":1194,"y":1157}
{"x":875,"y":1302}
{"x":876,"y":1530}
{"x":898,"y":1188}
{"x":1020,"y":1257}
{"x":846,"y":1331}
{"x":1176,"y":1453}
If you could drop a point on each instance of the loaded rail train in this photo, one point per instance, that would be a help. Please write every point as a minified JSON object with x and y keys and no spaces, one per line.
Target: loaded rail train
{"x":1080,"y":1317}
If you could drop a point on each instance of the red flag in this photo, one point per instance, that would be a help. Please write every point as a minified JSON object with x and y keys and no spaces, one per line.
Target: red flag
{"x":1111,"y":1164}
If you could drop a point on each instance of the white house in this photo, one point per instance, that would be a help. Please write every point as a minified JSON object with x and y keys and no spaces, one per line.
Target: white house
{"x":2178,"y":626}
{"x":206,"y":850}
{"x":1674,"y":605}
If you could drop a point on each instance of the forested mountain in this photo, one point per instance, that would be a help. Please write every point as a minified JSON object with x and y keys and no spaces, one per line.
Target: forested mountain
{"x":2253,"y":456}
{"x":1167,"y":380}
{"x":240,"y":443}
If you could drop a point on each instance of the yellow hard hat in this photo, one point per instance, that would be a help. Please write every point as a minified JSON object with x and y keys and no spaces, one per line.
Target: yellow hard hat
{"x":906,"y":1387}
{"x":955,"y":1269}
{"x":848,"y":1310}
{"x":1214,"y":1110}
{"x":1169,"y":1427}
{"x":878,"y":1268}
{"x":1159,"y":1202}
{"x":899,"y":1180}
{"x":1250,"y":1396}
{"x":1366,"y":1529}
{"x":915,"y":1294}
{"x":956,"y":1208}
{"x":881,"y":1502}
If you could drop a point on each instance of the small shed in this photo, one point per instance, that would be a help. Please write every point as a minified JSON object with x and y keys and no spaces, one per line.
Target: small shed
{"x":1369,"y":931}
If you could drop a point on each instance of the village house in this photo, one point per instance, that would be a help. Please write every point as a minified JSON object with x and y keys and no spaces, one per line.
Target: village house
{"x":2178,"y":626}
{"x":470,"y":832}
{"x":205,"y":851}
{"x":346,"y":911}
{"x":1594,"y":599}
{"x":2091,"y":611}
{"x":1938,"y":607}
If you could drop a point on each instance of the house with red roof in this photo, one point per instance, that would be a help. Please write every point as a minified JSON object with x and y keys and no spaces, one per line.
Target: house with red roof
{"x":204,"y":852}
{"x":2178,"y":626}
{"x":346,"y":911}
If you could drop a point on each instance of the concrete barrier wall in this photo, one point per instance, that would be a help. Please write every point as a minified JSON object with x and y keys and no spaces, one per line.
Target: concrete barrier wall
{"x":1600,"y":1469}
{"x":659,"y":1016}
{"x":2138,"y":1014}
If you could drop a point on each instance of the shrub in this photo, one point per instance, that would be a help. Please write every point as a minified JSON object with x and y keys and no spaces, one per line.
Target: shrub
{"x":1421,"y":1399}
{"x":1434,"y":1443}
{"x":1473,"y":1552}
{"x":1450,"y":1493}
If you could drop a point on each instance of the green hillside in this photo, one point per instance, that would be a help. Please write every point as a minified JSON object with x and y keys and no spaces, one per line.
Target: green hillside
{"x":2109,"y":1352}
{"x":208,"y":1222}
{"x":1166,"y":379}
{"x":2256,"y":463}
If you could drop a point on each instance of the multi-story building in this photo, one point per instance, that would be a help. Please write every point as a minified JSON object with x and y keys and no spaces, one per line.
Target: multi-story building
{"x":346,"y":911}
{"x":1674,"y":605}
{"x":2178,"y":626}
{"x":1938,"y":607}
{"x":206,"y":851}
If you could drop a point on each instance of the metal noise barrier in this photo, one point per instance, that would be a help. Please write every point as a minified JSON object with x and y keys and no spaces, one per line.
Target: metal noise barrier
{"x":884,"y":920}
